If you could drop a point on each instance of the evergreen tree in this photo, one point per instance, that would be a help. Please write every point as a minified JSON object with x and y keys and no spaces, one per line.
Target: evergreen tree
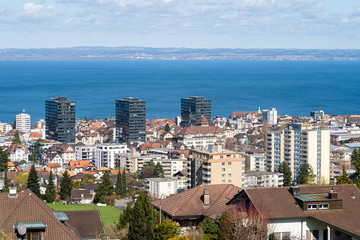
{"x":123,"y":184}
{"x":158,"y":170}
{"x":36,"y":150}
{"x":167,"y":128}
{"x":354,"y":156}
{"x":4,"y":159}
{"x":306,"y":174}
{"x":125,"y":216}
{"x":65,"y":186}
{"x":33,"y":181}
{"x":141,"y":226}
{"x":16,"y":139}
{"x":119,"y":182}
{"x":105,"y":188}
{"x":343,"y":179}
{"x":6,"y":183}
{"x":50,"y":188}
{"x":284,"y":169}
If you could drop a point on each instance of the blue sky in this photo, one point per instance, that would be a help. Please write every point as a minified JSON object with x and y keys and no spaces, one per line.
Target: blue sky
{"x":180,"y":23}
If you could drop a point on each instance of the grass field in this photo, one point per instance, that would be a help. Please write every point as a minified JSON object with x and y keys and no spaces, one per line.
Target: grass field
{"x":108,"y":214}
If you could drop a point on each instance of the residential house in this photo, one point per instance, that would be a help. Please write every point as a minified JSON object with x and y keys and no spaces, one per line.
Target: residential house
{"x":18,"y":153}
{"x":305,"y":212}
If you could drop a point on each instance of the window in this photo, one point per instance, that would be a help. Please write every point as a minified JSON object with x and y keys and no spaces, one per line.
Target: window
{"x":312,"y":206}
{"x":229,"y":163}
{"x":229,"y":175}
{"x":223,"y":164}
{"x":223,"y":175}
{"x":229,"y":169}
{"x":223,"y":169}
{"x":221,"y":157}
{"x":324,"y":206}
{"x":223,"y":181}
{"x":229,"y":181}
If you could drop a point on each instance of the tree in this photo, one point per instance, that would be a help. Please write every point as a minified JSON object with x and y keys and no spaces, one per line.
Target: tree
{"x":227,"y":124}
{"x":119,"y":183}
{"x":65,"y":186}
{"x":123,"y":183}
{"x":243,"y":226}
{"x":50,"y":188}
{"x":4,"y":159}
{"x":141,"y":226}
{"x":33,"y":181}
{"x":354,"y":156}
{"x":16,"y":139}
{"x":4,"y":236}
{"x":210,"y":227}
{"x":105,"y":188}
{"x":284,"y":169}
{"x":6,"y":184}
{"x":306,"y":174}
{"x":158,"y":170}
{"x":343,"y":179}
{"x":165,"y":230}
{"x":167,"y":128}
{"x":20,"y":181}
{"x":36,"y":150}
{"x":125,"y":216}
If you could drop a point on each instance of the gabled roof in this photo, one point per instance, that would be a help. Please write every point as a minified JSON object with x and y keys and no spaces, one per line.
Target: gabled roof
{"x":35,"y":135}
{"x":27,"y":207}
{"x":277,"y":203}
{"x":88,"y":223}
{"x":189,"y":202}
{"x":18,"y":146}
{"x":200,"y":130}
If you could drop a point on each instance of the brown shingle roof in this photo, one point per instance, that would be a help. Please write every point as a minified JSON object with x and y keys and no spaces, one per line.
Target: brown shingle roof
{"x":88,"y":223}
{"x":279,"y":203}
{"x":189,"y":203}
{"x":27,"y":207}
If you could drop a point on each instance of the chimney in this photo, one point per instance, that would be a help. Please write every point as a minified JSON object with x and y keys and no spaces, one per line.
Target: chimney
{"x":295,"y":191}
{"x":206,"y":198}
{"x":12,"y":192}
{"x":333,"y":194}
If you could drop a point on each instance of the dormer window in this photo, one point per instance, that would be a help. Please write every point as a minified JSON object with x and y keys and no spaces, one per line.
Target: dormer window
{"x":323,"y":206}
{"x":312,"y":207}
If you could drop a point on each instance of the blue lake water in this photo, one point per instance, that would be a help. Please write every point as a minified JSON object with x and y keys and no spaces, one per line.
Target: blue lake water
{"x":294,"y":88}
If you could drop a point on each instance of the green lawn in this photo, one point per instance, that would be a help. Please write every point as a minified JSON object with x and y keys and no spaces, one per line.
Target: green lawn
{"x":108,"y":214}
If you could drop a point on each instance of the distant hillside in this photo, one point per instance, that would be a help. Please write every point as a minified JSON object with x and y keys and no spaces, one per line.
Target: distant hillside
{"x":142,"y":53}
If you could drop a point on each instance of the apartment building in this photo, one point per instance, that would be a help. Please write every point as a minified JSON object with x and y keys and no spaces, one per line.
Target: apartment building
{"x":270,"y":116}
{"x":255,"y":162}
{"x":134,"y":162}
{"x":85,"y":152}
{"x":160,"y":187}
{"x":193,"y":109}
{"x":23,"y":122}
{"x":216,"y":166}
{"x":297,"y":144}
{"x":105,"y":154}
{"x":263,"y":179}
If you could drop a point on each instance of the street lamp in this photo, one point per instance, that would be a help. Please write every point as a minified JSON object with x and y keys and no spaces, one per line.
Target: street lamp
{"x":160,"y":205}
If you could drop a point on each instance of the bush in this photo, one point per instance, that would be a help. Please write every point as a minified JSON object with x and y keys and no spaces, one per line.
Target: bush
{"x":102,"y":199}
{"x":49,"y":198}
{"x":110,"y":200}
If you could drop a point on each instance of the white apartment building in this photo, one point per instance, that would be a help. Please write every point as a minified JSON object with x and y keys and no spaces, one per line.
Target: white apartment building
{"x":270,"y":115}
{"x":255,"y":162}
{"x":263,"y":179}
{"x":105,"y":154}
{"x":5,"y":127}
{"x":160,"y":187}
{"x":85,"y":152}
{"x":23,"y":122}
{"x":298,"y":144}
{"x":134,"y":162}
{"x":201,"y":137}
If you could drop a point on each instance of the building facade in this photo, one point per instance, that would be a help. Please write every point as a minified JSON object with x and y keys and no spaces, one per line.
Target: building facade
{"x":105,"y":154}
{"x":299,"y":144}
{"x":215,"y":166}
{"x":193,"y":109}
{"x":23,"y":122}
{"x":60,"y":119}
{"x":270,"y":116}
{"x":131,"y":119}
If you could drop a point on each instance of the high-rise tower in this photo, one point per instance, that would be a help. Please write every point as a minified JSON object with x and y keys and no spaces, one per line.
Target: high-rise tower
{"x":131,"y":119}
{"x":60,"y":119}
{"x":193,"y":109}
{"x":23,"y":122}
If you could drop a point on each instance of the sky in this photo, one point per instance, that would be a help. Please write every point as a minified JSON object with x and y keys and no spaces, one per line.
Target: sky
{"x":323,"y":24}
